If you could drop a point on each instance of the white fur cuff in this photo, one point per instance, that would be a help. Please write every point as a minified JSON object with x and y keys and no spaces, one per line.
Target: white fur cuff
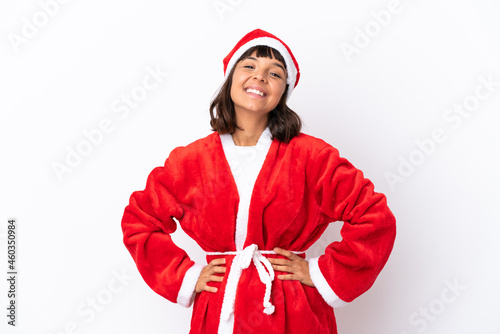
{"x":186,"y":294}
{"x":322,"y":285}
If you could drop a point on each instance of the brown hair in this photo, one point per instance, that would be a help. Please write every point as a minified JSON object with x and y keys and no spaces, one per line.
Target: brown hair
{"x":283,"y":122}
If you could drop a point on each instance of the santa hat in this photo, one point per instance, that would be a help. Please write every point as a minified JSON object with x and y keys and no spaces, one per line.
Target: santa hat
{"x":261,"y":37}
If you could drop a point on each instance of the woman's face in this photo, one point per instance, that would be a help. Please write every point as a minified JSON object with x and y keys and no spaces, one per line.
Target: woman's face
{"x":258,"y":84}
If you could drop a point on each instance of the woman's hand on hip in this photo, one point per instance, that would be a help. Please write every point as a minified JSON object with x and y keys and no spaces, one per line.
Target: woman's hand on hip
{"x":208,"y":275}
{"x":297,"y":266}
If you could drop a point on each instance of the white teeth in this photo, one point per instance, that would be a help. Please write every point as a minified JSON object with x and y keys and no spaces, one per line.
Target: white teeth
{"x":251,"y":90}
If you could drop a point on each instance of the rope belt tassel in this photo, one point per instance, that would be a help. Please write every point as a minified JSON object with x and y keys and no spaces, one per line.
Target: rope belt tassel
{"x":242,"y":261}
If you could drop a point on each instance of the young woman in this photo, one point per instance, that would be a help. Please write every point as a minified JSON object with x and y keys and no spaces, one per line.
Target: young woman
{"x":255,"y":195}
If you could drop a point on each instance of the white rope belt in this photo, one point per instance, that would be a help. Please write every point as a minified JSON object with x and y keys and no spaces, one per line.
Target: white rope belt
{"x":242,"y":261}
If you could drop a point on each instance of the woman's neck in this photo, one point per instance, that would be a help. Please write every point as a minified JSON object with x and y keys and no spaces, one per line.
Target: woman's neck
{"x":252,"y":130}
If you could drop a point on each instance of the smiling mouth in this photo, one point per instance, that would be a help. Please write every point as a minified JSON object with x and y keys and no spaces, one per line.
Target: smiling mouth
{"x":255,"y":91}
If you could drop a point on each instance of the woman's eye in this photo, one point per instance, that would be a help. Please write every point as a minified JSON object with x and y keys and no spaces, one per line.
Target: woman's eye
{"x":275,"y":74}
{"x":248,"y":66}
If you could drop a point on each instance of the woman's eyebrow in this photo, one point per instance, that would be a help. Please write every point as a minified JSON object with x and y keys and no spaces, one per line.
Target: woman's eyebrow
{"x":275,"y":63}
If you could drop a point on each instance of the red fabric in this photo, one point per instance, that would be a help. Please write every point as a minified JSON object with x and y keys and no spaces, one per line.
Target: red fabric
{"x":302,"y":187}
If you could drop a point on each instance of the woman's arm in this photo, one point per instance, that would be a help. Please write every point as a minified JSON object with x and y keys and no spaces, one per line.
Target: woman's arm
{"x":349,"y":267}
{"x":147,"y":224}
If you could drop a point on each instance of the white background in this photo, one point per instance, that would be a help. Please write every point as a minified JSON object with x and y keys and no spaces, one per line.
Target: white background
{"x":63,"y":77}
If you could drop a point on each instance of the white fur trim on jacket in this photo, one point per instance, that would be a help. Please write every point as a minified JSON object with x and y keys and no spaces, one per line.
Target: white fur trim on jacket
{"x":322,"y":285}
{"x":245,"y":163}
{"x":186,"y":294}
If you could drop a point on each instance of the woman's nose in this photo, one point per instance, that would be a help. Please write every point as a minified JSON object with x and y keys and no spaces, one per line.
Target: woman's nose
{"x":259,"y":75}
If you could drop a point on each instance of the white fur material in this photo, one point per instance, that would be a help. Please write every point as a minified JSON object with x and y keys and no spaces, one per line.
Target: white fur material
{"x":275,"y":44}
{"x":245,"y":163}
{"x":186,"y":294}
{"x":322,"y":285}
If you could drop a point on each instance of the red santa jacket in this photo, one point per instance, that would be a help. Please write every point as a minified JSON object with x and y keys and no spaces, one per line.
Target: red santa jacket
{"x":301,"y":188}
